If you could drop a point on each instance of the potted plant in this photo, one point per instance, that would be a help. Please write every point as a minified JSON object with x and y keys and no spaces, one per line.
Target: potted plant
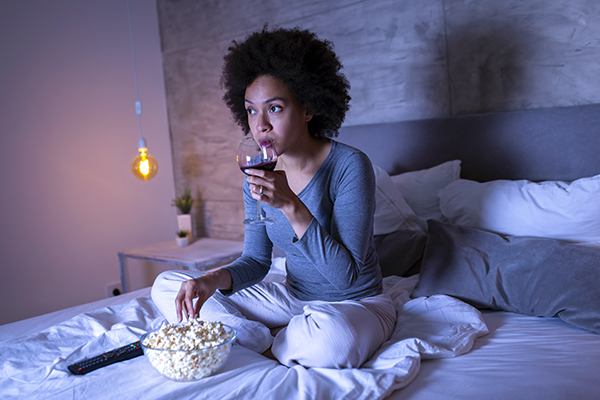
{"x":184,"y":204}
{"x":182,"y":238}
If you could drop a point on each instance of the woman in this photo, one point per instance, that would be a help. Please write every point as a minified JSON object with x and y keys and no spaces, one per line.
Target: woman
{"x":284,"y":86}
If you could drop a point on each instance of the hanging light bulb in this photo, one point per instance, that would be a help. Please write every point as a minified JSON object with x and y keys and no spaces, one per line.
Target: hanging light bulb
{"x":143,"y":166}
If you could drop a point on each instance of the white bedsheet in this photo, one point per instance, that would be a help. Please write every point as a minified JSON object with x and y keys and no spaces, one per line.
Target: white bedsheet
{"x":35,"y":366}
{"x":522,"y":358}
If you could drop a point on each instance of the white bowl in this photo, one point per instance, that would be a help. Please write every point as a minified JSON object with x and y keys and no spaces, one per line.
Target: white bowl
{"x":189,"y":365}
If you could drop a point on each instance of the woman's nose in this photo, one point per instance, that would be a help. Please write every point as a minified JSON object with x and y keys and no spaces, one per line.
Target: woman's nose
{"x":262,"y":123}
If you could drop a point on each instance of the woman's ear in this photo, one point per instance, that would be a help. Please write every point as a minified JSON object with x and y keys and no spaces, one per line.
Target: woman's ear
{"x":307,"y":116}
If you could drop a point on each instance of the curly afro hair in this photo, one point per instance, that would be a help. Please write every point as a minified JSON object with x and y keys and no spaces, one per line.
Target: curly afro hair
{"x":306,"y":65}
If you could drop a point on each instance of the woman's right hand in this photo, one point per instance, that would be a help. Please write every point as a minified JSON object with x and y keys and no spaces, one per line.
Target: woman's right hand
{"x":201,"y":288}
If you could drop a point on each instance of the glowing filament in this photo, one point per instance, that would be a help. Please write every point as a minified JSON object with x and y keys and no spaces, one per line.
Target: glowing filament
{"x":144,"y":166}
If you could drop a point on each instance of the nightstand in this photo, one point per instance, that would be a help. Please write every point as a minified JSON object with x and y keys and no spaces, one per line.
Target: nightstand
{"x":203,"y":254}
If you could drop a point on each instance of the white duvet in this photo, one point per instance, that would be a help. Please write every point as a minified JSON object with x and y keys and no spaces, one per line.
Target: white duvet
{"x":35,"y":366}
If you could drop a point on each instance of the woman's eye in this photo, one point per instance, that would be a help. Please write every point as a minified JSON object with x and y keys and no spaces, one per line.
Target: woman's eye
{"x":275,"y":108}
{"x":250,"y":111}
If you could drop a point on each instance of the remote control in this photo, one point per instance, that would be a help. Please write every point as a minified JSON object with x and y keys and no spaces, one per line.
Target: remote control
{"x":110,"y":357}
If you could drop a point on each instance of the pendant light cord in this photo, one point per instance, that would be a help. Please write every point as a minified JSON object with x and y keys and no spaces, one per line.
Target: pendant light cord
{"x":138,"y":104}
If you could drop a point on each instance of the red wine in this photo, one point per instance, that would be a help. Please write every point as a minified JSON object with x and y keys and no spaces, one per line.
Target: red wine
{"x":267,"y":166}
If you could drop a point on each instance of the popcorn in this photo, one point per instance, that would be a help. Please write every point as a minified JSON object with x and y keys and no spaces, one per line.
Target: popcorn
{"x":189,"y":351}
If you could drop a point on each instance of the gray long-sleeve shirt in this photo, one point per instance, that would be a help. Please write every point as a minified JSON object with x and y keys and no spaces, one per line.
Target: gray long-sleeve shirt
{"x":335,"y":259}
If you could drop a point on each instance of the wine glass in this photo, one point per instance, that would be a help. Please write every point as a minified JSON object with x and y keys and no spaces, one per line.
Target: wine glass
{"x":251,"y":155}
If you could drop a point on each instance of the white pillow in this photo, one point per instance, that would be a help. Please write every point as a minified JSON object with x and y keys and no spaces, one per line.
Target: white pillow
{"x":553,"y":209}
{"x":391,"y":211}
{"x":420,"y":188}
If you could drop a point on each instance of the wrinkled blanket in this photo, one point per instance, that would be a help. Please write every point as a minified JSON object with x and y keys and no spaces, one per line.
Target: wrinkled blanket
{"x":35,"y":366}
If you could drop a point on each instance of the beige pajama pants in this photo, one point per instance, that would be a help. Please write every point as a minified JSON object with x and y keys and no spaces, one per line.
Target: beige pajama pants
{"x":341,"y":334}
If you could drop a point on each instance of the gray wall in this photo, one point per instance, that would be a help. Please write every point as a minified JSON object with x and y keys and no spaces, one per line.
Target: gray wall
{"x":405,"y":60}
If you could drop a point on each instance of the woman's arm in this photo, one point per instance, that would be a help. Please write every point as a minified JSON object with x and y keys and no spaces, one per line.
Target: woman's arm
{"x":340,"y":252}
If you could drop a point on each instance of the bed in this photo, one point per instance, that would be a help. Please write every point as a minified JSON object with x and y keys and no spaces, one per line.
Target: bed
{"x":488,"y":230}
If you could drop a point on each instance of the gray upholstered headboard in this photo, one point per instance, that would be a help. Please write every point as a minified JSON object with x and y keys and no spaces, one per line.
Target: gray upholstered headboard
{"x":544,"y":144}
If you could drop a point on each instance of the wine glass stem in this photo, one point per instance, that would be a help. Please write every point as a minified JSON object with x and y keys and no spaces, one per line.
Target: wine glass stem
{"x":259,"y":214}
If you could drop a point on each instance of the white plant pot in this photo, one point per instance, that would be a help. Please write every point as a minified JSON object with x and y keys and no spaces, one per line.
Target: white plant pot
{"x":184,"y":223}
{"x":182,"y":242}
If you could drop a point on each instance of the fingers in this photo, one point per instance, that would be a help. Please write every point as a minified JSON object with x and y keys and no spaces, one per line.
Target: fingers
{"x":188,"y":305}
{"x":178,"y":310}
{"x":263,"y":184}
{"x":197,"y":308}
{"x":184,"y":302}
{"x":180,"y":304}
{"x":259,"y":177}
{"x":260,"y":173}
{"x":194,"y":289}
{"x":259,"y":190}
{"x":257,"y":183}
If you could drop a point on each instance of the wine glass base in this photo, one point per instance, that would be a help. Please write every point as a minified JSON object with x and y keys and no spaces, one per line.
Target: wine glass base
{"x":260,"y":221}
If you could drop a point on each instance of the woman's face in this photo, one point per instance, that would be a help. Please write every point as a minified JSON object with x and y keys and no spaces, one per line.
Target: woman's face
{"x":274,"y":115}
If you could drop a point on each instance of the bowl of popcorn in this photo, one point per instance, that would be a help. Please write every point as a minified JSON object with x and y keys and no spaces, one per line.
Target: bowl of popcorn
{"x":189,"y":351}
